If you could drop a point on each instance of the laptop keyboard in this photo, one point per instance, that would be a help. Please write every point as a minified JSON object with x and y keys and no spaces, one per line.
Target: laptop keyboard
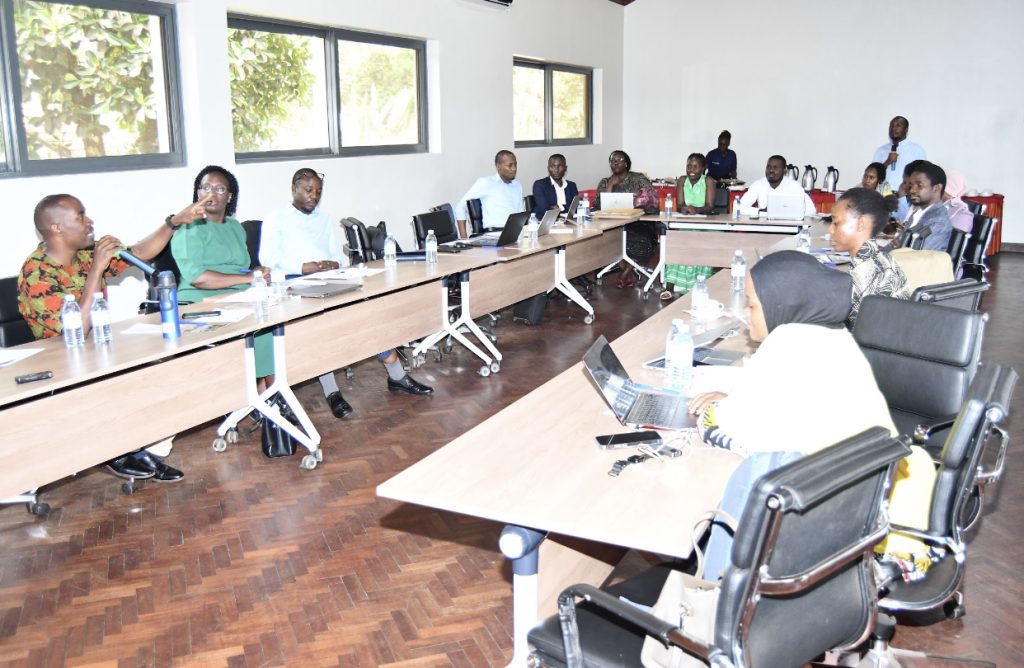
{"x":652,"y":410}
{"x":485,"y":240}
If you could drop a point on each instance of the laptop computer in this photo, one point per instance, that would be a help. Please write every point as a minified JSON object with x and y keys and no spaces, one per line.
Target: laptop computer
{"x":509,"y":234}
{"x":785,"y":207}
{"x":328,"y":289}
{"x":634,"y":405}
{"x":549,"y":219}
{"x":616,"y":201}
{"x":570,"y":212}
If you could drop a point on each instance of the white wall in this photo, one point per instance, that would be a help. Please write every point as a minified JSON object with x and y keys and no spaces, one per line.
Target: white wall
{"x":474,"y":43}
{"x":807,"y":79}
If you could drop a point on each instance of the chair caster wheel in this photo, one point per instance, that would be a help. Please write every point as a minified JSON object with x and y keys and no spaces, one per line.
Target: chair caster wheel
{"x":128,"y":488}
{"x":220,"y":444}
{"x":38,"y":508}
{"x":954,"y":610}
{"x":437,"y":354}
{"x":588,"y":319}
{"x":645,"y":295}
{"x":308,"y":463}
{"x":599,"y":281}
{"x":495,"y":367}
{"x":349,"y":373}
{"x":485,"y":371}
{"x":447,"y":348}
{"x":319,"y":454}
{"x":231,"y":436}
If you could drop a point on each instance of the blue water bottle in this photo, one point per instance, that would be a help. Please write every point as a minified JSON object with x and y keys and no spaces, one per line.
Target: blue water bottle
{"x":167,"y":288}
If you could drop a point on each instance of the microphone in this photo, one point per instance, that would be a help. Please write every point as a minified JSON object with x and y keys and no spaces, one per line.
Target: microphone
{"x":146,"y":268}
{"x":895,"y":145}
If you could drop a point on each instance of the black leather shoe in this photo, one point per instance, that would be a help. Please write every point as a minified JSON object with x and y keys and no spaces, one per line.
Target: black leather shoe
{"x":161,"y":472}
{"x":341,"y":408}
{"x":410,"y":385}
{"x":125,"y":466}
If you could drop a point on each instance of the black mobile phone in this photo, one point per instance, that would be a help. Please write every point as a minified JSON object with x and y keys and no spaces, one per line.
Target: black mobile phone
{"x":199,"y":314}
{"x":628,"y":439}
{"x":30,"y":377}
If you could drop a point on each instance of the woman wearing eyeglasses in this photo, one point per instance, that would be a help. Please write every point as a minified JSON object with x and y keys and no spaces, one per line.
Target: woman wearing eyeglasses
{"x":211,"y":253}
{"x":641,"y":238}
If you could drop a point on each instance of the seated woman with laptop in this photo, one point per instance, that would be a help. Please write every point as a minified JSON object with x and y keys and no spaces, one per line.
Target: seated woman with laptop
{"x":641,"y":238}
{"x":807,"y":386}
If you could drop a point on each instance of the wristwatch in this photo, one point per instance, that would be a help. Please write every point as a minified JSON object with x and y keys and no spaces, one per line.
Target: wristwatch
{"x":168,"y":223}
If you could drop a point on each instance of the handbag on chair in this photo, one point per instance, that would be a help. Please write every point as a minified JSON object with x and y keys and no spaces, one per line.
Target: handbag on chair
{"x":689,"y":602}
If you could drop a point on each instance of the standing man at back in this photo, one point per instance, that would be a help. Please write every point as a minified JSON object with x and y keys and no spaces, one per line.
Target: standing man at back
{"x":500,"y":194}
{"x":556,"y":191}
{"x":899,"y":151}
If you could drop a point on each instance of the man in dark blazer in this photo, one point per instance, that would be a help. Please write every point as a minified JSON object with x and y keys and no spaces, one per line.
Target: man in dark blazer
{"x":555,"y":191}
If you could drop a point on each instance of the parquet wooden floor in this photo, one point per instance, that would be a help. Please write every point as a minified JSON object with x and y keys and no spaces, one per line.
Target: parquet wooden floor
{"x":251,"y":562}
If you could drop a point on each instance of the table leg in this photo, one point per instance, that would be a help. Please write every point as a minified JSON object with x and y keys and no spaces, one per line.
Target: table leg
{"x":568,"y":289}
{"x":649,"y":275}
{"x":658,"y":271}
{"x":464,"y":320}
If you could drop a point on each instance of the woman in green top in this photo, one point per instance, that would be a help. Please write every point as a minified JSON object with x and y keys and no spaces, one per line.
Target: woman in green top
{"x":695,"y":193}
{"x":212,"y":256}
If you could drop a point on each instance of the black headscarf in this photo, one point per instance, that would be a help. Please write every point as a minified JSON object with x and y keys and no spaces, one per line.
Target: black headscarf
{"x":793,"y":287}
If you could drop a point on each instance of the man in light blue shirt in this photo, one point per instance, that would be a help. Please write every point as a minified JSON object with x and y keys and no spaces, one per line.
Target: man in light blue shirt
{"x":302,"y":239}
{"x":500,"y":194}
{"x":899,"y":153}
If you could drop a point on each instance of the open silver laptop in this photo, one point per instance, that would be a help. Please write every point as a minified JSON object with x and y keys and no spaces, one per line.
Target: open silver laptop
{"x":570,"y":212}
{"x":634,"y":405}
{"x":785,"y":207}
{"x":616,"y":201}
{"x":549,"y":219}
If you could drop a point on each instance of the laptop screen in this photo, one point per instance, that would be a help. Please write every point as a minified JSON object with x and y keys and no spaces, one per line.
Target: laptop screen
{"x":605,"y":368}
{"x":616,"y":201}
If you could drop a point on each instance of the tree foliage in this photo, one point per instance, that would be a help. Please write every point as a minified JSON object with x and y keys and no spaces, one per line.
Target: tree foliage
{"x":87,"y":68}
{"x":378,"y":94}
{"x":268,"y":76}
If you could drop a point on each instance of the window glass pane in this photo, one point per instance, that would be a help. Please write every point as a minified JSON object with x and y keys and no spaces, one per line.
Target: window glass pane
{"x":278,"y":91}
{"x":528,"y":103}
{"x":378,"y":94}
{"x":569,"y":91}
{"x":92,"y":81}
{"x":3,"y":141}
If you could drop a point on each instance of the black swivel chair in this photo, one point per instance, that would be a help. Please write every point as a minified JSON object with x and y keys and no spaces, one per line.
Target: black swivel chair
{"x":253,"y":233}
{"x":977,"y":246}
{"x":365,"y":243}
{"x":957,"y":243}
{"x":923,"y":358}
{"x":977,"y":208}
{"x":799,"y":583}
{"x":13,"y":329}
{"x":475,"y":211}
{"x":528,"y":203}
{"x":964,"y":294}
{"x":957,"y":500}
{"x":721,"y":203}
{"x":439,"y":221}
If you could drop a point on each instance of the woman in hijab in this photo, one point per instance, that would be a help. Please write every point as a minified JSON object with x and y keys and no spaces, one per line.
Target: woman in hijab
{"x":959,"y":215}
{"x":807,"y":386}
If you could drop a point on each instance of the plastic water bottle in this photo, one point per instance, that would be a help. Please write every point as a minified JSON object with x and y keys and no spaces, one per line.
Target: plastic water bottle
{"x":738,"y":272}
{"x":100,"y":319}
{"x":278,"y":281}
{"x":699,"y":295}
{"x":678,"y":357}
{"x":167,"y":292}
{"x":71,"y":322}
{"x":390,"y":252}
{"x":585,"y":206}
{"x":736,"y":208}
{"x":261,"y":294}
{"x":803,"y":240}
{"x":533,"y":227}
{"x":668,"y":206}
{"x":431,"y":247}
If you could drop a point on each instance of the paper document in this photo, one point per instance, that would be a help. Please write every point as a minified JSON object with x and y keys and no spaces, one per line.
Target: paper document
{"x":156,"y":329}
{"x":227,"y":315}
{"x":562,"y":230}
{"x":346,"y":274}
{"x":689,"y":215}
{"x":247,"y":296}
{"x":10,"y":356}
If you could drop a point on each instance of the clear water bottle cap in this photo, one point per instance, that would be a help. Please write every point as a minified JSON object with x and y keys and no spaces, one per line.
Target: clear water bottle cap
{"x":739,"y":253}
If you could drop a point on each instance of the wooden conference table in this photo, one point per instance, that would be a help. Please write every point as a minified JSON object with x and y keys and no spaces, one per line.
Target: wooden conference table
{"x":535,"y":465}
{"x":80,"y":416}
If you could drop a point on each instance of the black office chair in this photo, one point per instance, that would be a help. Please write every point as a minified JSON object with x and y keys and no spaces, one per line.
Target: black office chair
{"x":164,"y":261}
{"x":964,"y":294}
{"x":977,"y":208}
{"x":365,"y":243}
{"x":721,"y":203}
{"x":13,"y":329}
{"x":957,"y":243}
{"x":475,"y":211}
{"x":957,"y":500}
{"x":439,"y":221}
{"x":253,"y":232}
{"x":923,"y":358}
{"x":799,"y":583}
{"x":975,"y":250}
{"x":528,"y":203}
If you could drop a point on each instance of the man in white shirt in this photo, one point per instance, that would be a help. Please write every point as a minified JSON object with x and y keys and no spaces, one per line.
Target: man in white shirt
{"x":500,"y":194}
{"x":899,"y":152}
{"x":301,"y":239}
{"x":775,"y":182}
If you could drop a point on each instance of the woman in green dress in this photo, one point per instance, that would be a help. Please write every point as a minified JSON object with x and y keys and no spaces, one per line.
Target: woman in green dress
{"x":695,"y":194}
{"x":212,"y":256}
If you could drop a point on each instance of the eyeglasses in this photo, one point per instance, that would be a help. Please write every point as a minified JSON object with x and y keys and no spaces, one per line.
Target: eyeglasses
{"x":616,"y":161}
{"x":306,"y":173}
{"x":207,"y":189}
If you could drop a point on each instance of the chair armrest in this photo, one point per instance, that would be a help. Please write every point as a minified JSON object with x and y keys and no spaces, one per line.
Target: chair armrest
{"x":924,"y":430}
{"x":986,"y":476}
{"x":665,"y":632}
{"x":958,"y":548}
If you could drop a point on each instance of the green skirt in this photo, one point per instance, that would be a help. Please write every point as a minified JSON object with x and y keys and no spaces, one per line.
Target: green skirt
{"x":683,"y":276}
